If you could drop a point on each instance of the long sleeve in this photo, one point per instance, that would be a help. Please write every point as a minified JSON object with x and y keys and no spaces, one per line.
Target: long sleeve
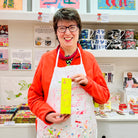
{"x":96,"y":86}
{"x":125,"y":82}
{"x":135,"y":81}
{"x":38,"y":92}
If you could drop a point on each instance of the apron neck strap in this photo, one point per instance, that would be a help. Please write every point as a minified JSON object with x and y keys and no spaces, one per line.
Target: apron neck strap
{"x":58,"y":57}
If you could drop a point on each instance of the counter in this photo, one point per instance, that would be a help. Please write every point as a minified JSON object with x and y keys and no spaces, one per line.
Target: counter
{"x":18,"y":131}
{"x":114,"y":126}
{"x":118,"y":126}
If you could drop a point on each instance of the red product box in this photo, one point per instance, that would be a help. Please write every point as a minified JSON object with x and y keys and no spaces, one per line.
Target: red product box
{"x":134,"y":107}
{"x":122,"y":106}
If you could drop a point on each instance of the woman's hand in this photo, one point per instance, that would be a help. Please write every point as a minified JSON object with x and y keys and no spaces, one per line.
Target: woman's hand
{"x":57,"y":118}
{"x":80,"y":79}
{"x":134,"y":85}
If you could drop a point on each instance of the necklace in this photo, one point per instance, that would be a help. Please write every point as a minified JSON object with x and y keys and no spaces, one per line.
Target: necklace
{"x":67,"y":57}
{"x":68,"y":62}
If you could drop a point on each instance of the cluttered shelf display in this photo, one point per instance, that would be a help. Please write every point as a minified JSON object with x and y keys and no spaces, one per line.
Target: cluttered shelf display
{"x":100,"y":39}
{"x":124,"y":102}
{"x":114,"y":107}
{"x":96,"y":40}
{"x":16,"y":113}
{"x":121,"y":103}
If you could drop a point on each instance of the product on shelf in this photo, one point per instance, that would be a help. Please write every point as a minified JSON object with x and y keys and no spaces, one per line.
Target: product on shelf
{"x":24,"y":116}
{"x":122,"y":107}
{"x":18,"y":113}
{"x":134,"y":107}
{"x":5,"y":117}
{"x":8,"y":109}
{"x":24,"y":106}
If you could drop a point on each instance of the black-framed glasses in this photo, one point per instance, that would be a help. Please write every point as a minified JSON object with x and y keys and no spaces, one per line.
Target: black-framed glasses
{"x":62,"y":29}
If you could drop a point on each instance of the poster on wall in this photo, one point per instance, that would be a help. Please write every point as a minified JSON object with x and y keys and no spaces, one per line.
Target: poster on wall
{"x":59,"y":4}
{"x":4,"y":35}
{"x":18,"y":5}
{"x":117,"y":5}
{"x":21,"y":59}
{"x":44,"y":36}
{"x":108,"y":72}
{"x":16,"y":92}
{"x":38,"y":52}
{"x":120,"y":7}
{"x":4,"y":59}
{"x":52,"y":5}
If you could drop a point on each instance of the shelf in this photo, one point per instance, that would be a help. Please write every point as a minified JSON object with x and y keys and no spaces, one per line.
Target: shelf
{"x":126,"y":117}
{"x":12,"y":15}
{"x":19,"y":125}
{"x":25,"y":16}
{"x":115,"y":53}
{"x":112,"y":18}
{"x":31,"y":16}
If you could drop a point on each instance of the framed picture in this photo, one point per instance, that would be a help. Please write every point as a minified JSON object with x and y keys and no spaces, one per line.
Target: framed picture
{"x":4,"y":40}
{"x":13,"y":5}
{"x":44,"y":36}
{"x":115,"y":7}
{"x":21,"y":59}
{"x":50,"y":6}
{"x":130,"y":79}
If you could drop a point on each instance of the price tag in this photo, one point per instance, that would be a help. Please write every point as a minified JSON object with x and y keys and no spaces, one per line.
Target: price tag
{"x":65,"y":96}
{"x":104,"y":18}
{"x":45,"y":17}
{"x":9,"y":123}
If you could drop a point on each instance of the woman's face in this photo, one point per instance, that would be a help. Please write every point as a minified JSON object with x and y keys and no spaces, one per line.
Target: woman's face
{"x":68,"y":39}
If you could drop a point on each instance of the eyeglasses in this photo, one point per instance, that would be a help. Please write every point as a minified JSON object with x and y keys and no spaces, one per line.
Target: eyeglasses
{"x":62,"y":29}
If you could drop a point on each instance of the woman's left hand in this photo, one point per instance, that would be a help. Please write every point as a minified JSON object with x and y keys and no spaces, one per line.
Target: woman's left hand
{"x":80,"y":79}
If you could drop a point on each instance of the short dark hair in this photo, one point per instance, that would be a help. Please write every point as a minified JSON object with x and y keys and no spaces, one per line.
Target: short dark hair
{"x":69,"y":14}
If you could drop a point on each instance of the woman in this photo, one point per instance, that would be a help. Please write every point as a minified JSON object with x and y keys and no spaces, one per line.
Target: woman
{"x":68,"y":60}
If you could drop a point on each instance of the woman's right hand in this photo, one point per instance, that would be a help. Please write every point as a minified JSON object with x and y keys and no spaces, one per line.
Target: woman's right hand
{"x":57,"y":118}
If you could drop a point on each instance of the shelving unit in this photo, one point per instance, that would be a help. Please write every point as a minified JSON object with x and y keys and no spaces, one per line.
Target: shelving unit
{"x":86,"y":18}
{"x":21,"y":25}
{"x":12,"y":15}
